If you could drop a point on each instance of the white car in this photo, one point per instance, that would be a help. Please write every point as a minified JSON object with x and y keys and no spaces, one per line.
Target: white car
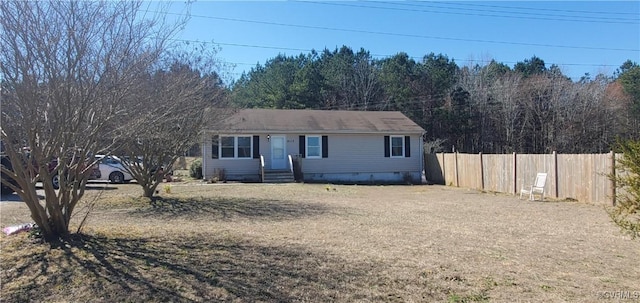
{"x":112,"y":169}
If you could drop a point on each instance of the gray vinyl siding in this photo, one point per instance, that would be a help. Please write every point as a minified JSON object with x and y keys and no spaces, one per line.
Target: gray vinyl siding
{"x":363,"y":153}
{"x":347,"y":154}
{"x":235,"y":169}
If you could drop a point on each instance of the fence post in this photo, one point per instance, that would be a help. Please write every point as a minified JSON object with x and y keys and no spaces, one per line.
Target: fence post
{"x":481,"y":173}
{"x":613,"y":177}
{"x":555,"y":174}
{"x":515,"y":174}
{"x":456,"y":169}
{"x":444,"y":174}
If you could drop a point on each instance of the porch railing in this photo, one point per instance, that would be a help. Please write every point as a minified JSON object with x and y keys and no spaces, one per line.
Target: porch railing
{"x":261,"y":168}
{"x":291,"y":164}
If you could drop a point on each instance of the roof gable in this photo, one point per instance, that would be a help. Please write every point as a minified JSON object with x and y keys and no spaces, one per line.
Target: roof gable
{"x":317,"y":121}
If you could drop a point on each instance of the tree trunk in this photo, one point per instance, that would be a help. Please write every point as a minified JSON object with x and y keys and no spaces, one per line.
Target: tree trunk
{"x":148,"y":191}
{"x":60,"y":54}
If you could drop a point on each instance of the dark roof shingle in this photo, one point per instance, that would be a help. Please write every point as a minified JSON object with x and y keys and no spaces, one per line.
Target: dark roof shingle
{"x":318,"y":121}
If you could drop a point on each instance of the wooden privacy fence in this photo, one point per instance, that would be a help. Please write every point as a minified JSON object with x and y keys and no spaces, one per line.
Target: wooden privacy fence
{"x":583,"y":177}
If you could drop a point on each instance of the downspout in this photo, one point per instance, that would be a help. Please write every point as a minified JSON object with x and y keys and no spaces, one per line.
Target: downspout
{"x":204,"y":163}
{"x":422,"y":164}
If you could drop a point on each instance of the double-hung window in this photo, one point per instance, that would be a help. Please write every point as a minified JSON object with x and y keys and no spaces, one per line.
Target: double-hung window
{"x":243,"y":147}
{"x":227,"y":147}
{"x":397,"y":146}
{"x":314,"y":147}
{"x":231,"y":147}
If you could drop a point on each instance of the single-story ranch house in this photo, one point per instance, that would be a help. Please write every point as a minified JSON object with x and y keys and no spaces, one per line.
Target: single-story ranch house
{"x":323,"y":145}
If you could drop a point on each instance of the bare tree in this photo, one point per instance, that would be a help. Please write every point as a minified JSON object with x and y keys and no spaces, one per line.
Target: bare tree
{"x":621,"y":104}
{"x":541,"y":95}
{"x":366,"y":89}
{"x":175,"y":103}
{"x":510,"y":112}
{"x":68,"y":69}
{"x":589,"y":120}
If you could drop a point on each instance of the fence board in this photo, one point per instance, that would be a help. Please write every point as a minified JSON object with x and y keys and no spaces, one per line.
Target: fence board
{"x":498,"y":173}
{"x":583,"y":177}
{"x":529,"y":165}
{"x":433,"y":169}
{"x":469,"y":174}
{"x":449,"y":169}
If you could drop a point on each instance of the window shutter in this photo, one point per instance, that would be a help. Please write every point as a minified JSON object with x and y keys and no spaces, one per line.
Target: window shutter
{"x":214,"y":147}
{"x":387,"y":149}
{"x":407,"y":146}
{"x":302,"y":146}
{"x":256,"y":147}
{"x":325,"y":146}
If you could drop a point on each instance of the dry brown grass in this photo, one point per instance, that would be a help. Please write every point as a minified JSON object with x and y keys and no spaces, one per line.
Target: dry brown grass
{"x":319,"y":243}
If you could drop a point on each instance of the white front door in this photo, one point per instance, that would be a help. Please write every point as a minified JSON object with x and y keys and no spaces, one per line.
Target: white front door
{"x":278,"y":152}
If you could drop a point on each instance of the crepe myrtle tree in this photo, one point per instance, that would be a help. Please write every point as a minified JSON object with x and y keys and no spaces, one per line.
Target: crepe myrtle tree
{"x":174,"y":104}
{"x":67,"y":71}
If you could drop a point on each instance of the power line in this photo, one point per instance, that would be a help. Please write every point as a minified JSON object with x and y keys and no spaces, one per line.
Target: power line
{"x":474,"y":12}
{"x":380,"y":56}
{"x":264,"y":47}
{"x":536,"y":9}
{"x":405,"y":35}
{"x":599,"y":14}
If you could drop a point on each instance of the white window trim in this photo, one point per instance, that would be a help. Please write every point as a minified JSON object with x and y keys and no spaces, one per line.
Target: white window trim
{"x":235,"y":147}
{"x":306,"y":147}
{"x":391,"y":146}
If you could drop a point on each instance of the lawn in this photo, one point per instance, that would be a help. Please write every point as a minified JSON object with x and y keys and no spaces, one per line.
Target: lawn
{"x":322,"y":243}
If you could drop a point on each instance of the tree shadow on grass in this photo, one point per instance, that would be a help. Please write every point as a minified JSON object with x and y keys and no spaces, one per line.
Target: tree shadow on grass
{"x":180,"y":269}
{"x":230,"y":208}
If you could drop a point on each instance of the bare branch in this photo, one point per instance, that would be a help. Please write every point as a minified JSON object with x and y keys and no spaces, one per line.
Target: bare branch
{"x":69,"y":69}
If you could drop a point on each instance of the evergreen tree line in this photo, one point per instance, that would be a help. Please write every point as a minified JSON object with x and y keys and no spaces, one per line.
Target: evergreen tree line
{"x":493,"y":108}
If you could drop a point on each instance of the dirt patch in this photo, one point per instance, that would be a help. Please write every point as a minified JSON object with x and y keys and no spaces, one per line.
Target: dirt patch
{"x":319,"y":243}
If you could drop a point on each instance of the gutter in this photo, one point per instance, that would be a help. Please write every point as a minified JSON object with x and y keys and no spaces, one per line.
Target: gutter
{"x":324,"y":132}
{"x":204,"y":163}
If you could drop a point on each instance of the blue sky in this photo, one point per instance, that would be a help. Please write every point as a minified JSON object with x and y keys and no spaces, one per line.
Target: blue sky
{"x":579,"y":36}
